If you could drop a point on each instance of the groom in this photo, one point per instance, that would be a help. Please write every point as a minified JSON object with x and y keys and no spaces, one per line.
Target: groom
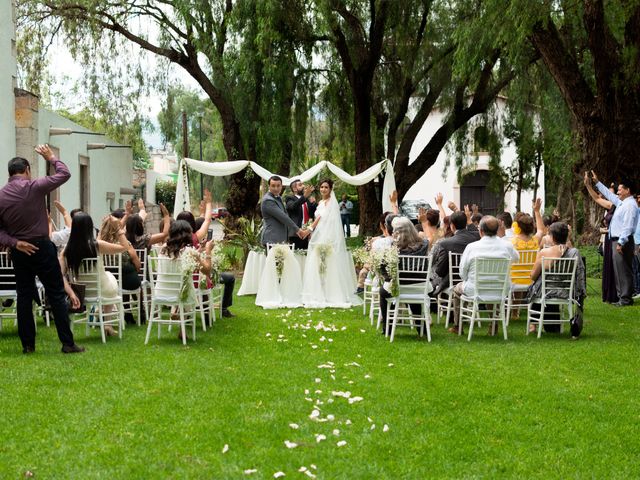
{"x":300,"y":209}
{"x":277,"y":225}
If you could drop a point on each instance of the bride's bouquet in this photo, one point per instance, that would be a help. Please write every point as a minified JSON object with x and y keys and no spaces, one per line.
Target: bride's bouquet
{"x":307,"y":224}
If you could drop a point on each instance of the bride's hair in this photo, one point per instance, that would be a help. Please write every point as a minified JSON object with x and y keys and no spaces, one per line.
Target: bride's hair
{"x":328,"y":181}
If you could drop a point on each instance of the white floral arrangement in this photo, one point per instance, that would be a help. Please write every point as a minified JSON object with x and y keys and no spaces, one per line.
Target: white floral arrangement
{"x":361,"y":256}
{"x":307,"y":224}
{"x":189,"y":263}
{"x":279,"y":253}
{"x":257,"y":249}
{"x":391,"y":260}
{"x":324,"y":250}
{"x":385,"y":264}
{"x":218,"y":263}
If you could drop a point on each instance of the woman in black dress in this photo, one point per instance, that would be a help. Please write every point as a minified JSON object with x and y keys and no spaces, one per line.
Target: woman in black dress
{"x":609,"y":292}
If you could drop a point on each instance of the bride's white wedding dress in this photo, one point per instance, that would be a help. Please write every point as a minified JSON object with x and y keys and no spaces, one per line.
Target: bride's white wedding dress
{"x":329,"y":278}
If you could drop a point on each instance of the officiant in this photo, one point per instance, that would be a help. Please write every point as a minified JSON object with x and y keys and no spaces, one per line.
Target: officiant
{"x":300,"y":209}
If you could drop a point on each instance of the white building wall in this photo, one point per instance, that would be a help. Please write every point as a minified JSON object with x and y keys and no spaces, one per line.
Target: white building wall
{"x":109,"y":170}
{"x":440,"y":179}
{"x":7,"y":83}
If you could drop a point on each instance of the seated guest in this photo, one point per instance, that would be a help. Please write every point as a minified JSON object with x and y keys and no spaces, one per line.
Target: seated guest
{"x":489,"y":246}
{"x":559,"y":232}
{"x":134,"y":227}
{"x":456,"y":244}
{"x":200,"y":234}
{"x":524,"y":238}
{"x":408,"y":242}
{"x":506,"y":221}
{"x":430,"y":221}
{"x":110,"y":231}
{"x":83,"y":244}
{"x":375,"y":245}
{"x":60,"y":237}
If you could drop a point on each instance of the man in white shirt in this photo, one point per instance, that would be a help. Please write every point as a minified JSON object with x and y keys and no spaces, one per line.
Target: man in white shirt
{"x":621,"y":229}
{"x":489,"y":246}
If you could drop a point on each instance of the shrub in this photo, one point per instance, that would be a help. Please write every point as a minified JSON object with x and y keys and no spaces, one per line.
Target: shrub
{"x":166,"y":193}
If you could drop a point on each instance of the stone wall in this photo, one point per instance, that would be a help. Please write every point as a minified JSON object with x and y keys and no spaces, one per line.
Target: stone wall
{"x":27,"y":106}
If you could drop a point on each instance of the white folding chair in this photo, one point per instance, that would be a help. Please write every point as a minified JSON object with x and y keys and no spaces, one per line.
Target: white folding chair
{"x":558,"y":284}
{"x":7,"y":288}
{"x":292,"y":246}
{"x":166,"y":283}
{"x":520,"y":280}
{"x":445,"y":297}
{"x":414,"y":285}
{"x":89,"y":274}
{"x":490,"y":290}
{"x":374,"y":299}
{"x":135,"y":298}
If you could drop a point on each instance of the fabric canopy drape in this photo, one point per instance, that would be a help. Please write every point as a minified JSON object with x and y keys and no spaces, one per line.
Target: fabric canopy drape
{"x":222,"y":169}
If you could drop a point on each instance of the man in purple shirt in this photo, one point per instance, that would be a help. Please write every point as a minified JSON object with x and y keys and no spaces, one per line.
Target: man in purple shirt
{"x":24,"y":227}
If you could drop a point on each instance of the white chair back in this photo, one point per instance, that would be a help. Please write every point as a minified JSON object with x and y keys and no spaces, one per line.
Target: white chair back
{"x":88,"y":275}
{"x":7,"y":276}
{"x":413,"y":273}
{"x":142,"y":256}
{"x":291,"y":246}
{"x":454,"y":268}
{"x":558,"y":277}
{"x":492,"y":278}
{"x":113,"y":263}
{"x":166,"y":279}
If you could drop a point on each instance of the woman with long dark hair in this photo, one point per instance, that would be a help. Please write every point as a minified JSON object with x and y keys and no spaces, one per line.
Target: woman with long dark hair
{"x":134,"y":227}
{"x":83,"y":244}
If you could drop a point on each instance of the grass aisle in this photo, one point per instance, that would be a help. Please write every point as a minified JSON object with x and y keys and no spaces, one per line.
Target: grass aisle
{"x":522,"y":408}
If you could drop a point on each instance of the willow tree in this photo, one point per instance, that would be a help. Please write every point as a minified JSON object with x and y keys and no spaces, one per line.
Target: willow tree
{"x":592,"y":51}
{"x":242,"y":54}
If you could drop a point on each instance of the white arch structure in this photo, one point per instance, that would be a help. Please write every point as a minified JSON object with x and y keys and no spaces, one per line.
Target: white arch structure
{"x":221,"y":169}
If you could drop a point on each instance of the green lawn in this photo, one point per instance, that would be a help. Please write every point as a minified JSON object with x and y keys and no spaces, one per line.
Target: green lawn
{"x":520,"y":409}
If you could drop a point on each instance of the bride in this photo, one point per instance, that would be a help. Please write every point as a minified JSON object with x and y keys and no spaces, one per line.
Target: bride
{"x":329,"y":278}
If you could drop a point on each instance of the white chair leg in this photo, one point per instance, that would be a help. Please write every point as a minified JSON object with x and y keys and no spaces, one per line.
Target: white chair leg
{"x":394,"y":321}
{"x":149,"y":323}
{"x":540,"y":320}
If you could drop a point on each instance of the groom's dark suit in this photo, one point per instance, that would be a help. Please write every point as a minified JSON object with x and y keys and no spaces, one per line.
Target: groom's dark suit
{"x":295,"y":209}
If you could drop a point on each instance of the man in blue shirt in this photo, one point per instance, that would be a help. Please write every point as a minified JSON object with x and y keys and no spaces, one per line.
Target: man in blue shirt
{"x":621,"y":229}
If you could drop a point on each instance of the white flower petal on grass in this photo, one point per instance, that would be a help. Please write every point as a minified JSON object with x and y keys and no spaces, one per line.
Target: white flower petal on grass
{"x":309,"y":474}
{"x":362,"y":330}
{"x":318,"y":380}
{"x":313,"y":466}
{"x":341,"y":443}
{"x":306,"y":391}
{"x":385,"y":428}
{"x":322,"y":338}
{"x":367,"y":376}
{"x":315,"y":414}
{"x":268,"y":335}
{"x":359,"y":356}
{"x":350,"y":382}
{"x":390,"y":365}
{"x":343,"y":328}
{"x":373,"y":426}
{"x":314,"y":346}
{"x":289,"y":444}
{"x":355,"y":399}
{"x":281,"y":336}
{"x":225,"y":449}
{"x":330,"y":340}
{"x":295,"y":426}
{"x":336,"y":432}
{"x":302,"y":469}
{"x":249,"y":471}
{"x":278,"y":474}
{"x":341,"y":394}
{"x":352,"y":364}
{"x":331,"y":417}
{"x":333,"y":377}
{"x":370,"y":420}
{"x":320,"y":437}
{"x":318,"y":391}
{"x":348,"y":422}
{"x":330,"y":400}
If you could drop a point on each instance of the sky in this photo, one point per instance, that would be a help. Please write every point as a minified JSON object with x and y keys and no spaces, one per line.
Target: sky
{"x":70,"y":73}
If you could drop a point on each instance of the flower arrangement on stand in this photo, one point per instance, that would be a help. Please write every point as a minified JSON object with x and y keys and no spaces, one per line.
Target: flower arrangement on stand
{"x":324,"y":250}
{"x":279,"y":252}
{"x":189,"y":263}
{"x":385,"y":264}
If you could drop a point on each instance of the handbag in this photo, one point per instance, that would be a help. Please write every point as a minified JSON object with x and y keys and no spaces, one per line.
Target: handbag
{"x":80,"y":290}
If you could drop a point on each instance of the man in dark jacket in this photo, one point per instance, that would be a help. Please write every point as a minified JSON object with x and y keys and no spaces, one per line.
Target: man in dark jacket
{"x":300,"y":210}
{"x":462,"y":236}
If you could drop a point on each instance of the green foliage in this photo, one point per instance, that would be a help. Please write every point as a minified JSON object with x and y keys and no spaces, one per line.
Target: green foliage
{"x":129,"y":133}
{"x":166,"y":193}
{"x":244,"y":234}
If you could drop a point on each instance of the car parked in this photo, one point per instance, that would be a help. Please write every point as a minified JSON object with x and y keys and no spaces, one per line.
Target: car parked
{"x":219,"y":213}
{"x":409,"y":208}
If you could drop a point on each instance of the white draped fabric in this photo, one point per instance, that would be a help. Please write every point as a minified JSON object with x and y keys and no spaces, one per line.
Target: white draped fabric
{"x":221,"y":169}
{"x":283,"y":292}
